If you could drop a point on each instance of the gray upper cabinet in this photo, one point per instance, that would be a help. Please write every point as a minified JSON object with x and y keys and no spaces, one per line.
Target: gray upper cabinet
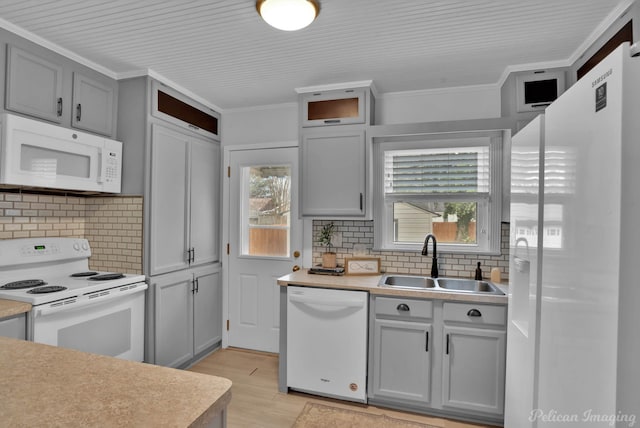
{"x":184,"y":200}
{"x":93,"y":105}
{"x":33,"y":85}
{"x":334,"y":153}
{"x":338,"y":107}
{"x":174,"y":107}
{"x":48,"y":86}
{"x":333,"y":168}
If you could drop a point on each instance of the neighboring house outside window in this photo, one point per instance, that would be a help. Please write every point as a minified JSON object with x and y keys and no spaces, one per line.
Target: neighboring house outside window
{"x":446,"y":184}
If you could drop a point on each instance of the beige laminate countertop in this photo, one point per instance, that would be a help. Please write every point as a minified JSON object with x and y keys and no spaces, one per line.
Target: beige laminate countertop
{"x":370,"y":283}
{"x":42,"y":385}
{"x":9,"y":308}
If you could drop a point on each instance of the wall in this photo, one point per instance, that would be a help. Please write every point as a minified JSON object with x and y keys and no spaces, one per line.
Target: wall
{"x":113,"y":225}
{"x":463,"y":103}
{"x":456,"y":265}
{"x":260,"y":125}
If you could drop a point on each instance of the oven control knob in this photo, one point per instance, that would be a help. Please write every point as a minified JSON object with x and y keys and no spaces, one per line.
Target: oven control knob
{"x":76,"y":246}
{"x":85,"y":246}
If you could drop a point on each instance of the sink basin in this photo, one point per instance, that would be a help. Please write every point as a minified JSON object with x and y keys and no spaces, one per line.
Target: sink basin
{"x":468,"y":285}
{"x":406,"y":281}
{"x":439,"y":284}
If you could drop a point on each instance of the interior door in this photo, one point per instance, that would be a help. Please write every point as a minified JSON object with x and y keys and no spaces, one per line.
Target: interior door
{"x":265,"y":242}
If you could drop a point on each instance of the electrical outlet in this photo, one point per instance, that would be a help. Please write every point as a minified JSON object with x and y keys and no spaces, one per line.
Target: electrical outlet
{"x":337,"y":239}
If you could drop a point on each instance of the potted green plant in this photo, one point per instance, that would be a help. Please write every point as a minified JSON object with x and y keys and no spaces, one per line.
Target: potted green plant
{"x":325,"y":239}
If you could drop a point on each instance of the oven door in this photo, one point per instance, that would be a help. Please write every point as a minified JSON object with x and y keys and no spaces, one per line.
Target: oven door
{"x":108,"y":322}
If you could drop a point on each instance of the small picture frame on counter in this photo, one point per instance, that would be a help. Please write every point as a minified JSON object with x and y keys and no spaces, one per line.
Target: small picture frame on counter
{"x":362,"y":266}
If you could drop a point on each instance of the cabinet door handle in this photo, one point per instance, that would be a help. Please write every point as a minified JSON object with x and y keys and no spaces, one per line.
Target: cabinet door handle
{"x":447,"y":344}
{"x":426,"y":346}
{"x":78,"y":112}
{"x":474,"y":313}
{"x":193,"y":254}
{"x":197,"y":285}
{"x":193,"y":286}
{"x":361,"y":202}
{"x":188,"y":255}
{"x":403,"y":307}
{"x":59,"y":106}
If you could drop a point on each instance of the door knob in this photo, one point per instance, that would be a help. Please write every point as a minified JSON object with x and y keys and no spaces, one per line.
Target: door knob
{"x":296,"y":254}
{"x":296,"y":268}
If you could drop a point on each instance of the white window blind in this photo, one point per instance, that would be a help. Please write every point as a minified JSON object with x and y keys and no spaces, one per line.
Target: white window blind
{"x":456,"y":170}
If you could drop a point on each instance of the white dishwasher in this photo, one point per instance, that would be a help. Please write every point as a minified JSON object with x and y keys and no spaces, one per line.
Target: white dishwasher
{"x":327,"y":342}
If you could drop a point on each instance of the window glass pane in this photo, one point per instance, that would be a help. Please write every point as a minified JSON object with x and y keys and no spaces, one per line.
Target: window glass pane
{"x":450,"y":222}
{"x":442,"y":170}
{"x":267,"y":221}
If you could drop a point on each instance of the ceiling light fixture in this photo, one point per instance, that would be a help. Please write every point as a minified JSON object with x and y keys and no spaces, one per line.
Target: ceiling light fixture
{"x":288,"y":15}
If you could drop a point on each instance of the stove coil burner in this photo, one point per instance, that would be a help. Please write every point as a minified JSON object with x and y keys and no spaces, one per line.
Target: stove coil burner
{"x":25,"y":283}
{"x":107,"y":276}
{"x":47,"y":289}
{"x":83,"y":274}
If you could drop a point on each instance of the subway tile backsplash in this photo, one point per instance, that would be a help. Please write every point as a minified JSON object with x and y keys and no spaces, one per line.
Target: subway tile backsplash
{"x":356,"y":232}
{"x":113,"y":225}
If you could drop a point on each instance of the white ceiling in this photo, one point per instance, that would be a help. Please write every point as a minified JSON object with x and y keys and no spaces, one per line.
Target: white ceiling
{"x":222,"y":50}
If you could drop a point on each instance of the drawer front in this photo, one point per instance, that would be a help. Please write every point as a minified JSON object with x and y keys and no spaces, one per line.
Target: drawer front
{"x":407,"y":308}
{"x":475,"y":313}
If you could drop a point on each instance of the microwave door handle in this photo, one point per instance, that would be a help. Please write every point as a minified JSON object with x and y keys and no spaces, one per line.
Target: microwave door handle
{"x":101,"y":165}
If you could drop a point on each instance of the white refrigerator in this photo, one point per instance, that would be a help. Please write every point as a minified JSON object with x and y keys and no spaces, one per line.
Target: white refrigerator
{"x":573,"y":340}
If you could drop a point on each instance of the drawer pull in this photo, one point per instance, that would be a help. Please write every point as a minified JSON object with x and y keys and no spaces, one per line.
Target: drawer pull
{"x":474,"y":313}
{"x":426,"y":346}
{"x":403,"y":307}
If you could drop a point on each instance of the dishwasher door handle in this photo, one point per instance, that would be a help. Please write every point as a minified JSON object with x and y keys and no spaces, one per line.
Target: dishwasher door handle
{"x":340,"y":303}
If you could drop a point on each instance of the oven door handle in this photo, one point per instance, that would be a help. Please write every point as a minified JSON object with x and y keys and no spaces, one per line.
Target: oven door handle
{"x":91,"y":299}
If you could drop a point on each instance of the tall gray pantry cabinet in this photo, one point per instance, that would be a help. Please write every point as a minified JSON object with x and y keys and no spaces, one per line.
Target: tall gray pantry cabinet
{"x":176,"y":140}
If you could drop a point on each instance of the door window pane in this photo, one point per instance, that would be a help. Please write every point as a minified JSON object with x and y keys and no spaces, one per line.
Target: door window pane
{"x":267,"y":211}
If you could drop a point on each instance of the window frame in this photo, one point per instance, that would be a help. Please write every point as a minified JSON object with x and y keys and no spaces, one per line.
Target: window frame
{"x":489,"y":208}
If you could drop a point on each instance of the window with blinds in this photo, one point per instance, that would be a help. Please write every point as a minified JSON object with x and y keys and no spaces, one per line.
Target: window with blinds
{"x":437,"y":171}
{"x":450,"y":187}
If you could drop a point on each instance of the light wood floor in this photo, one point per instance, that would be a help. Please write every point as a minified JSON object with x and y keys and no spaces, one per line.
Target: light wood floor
{"x":256,"y":402}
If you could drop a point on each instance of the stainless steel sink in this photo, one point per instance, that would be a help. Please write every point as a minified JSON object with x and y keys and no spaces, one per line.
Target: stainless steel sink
{"x":439,"y":284}
{"x":406,"y":281}
{"x":468,"y":285}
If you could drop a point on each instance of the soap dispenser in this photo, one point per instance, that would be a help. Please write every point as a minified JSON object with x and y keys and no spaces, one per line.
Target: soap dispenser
{"x":478,"y":273}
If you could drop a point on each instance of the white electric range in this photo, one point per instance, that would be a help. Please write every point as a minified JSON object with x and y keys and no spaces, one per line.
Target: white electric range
{"x":73,"y":307}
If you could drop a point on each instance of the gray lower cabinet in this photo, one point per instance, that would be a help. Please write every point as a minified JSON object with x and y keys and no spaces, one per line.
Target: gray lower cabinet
{"x":187,"y":321}
{"x":402,"y":362}
{"x":474,"y":362}
{"x":474,"y":369}
{"x":438,"y":357}
{"x":15,"y":326}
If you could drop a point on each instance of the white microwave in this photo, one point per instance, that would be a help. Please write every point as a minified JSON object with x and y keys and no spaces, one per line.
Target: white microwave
{"x":39,"y":154}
